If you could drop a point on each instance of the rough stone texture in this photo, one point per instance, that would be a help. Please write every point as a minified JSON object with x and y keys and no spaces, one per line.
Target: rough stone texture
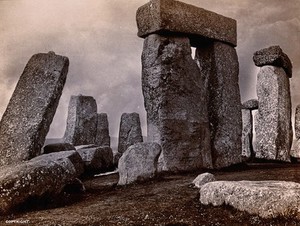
{"x":250,"y":104}
{"x":274,"y":132}
{"x":102,"y":136}
{"x":82,"y":121}
{"x":247,"y":135}
{"x":130,"y":131}
{"x":96,"y":160}
{"x":57,"y":147}
{"x":202,"y":179}
{"x":273,"y":55}
{"x":86,"y":146}
{"x":297,"y":122}
{"x":45,"y":175}
{"x":219,"y":68}
{"x":30,"y":111}
{"x":167,"y":17}
{"x":268,"y":199}
{"x":139,"y":163}
{"x":174,"y":97}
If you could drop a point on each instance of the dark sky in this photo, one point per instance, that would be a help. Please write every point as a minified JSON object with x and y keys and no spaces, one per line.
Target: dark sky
{"x":99,"y":37}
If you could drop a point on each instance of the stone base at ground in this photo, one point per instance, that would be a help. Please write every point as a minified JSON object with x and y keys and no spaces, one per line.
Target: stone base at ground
{"x":57,"y":147}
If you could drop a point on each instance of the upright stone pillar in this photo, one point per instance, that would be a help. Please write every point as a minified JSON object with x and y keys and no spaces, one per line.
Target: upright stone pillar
{"x":274,"y":128}
{"x":82,"y":121}
{"x":30,"y":111}
{"x":102,"y":136}
{"x":296,"y":151}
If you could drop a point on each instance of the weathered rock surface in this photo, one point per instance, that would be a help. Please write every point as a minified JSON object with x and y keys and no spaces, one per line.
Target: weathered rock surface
{"x":57,"y":147}
{"x":139,"y":163}
{"x":268,"y":199}
{"x":175,"y":101}
{"x":219,"y":68}
{"x":273,"y":55}
{"x":167,"y":17}
{"x":273,"y":128}
{"x":102,"y":136}
{"x":202,"y":179}
{"x":96,"y":160}
{"x":82,"y":121}
{"x":40,"y":176}
{"x":130,"y":131}
{"x":247,"y":135}
{"x":31,"y":109}
{"x":297,"y":122}
{"x":250,"y":104}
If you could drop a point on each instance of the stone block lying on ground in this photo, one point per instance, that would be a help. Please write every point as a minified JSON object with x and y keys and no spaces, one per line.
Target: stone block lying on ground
{"x":139,"y":163}
{"x":45,"y":175}
{"x":170,"y":17}
{"x":268,"y":199}
{"x":202,"y":179}
{"x":57,"y":147}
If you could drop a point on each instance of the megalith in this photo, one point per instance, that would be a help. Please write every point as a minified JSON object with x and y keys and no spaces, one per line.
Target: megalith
{"x":274,"y":134}
{"x":81,"y":121}
{"x":296,"y":151}
{"x":102,"y":135}
{"x":31,"y":109}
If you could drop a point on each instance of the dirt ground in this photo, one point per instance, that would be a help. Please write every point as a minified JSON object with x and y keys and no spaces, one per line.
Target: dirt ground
{"x":167,"y":200}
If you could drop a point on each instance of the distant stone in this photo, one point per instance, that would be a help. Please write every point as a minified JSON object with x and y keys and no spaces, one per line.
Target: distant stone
{"x":82,"y":121}
{"x":297,"y":122}
{"x":202,"y":179}
{"x":57,"y":147}
{"x":45,"y":175}
{"x":175,"y":101}
{"x":268,"y":199}
{"x":31,"y":109}
{"x":130,"y":131}
{"x":247,"y":135}
{"x":274,"y":134}
{"x":250,"y":104}
{"x":273,"y":55}
{"x":219,"y":66}
{"x":139,"y":163}
{"x":96,"y":160}
{"x":102,"y":136}
{"x":169,"y":17}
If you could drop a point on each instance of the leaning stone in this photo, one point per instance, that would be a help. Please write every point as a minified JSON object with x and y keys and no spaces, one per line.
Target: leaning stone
{"x":273,"y":55}
{"x":96,"y":160}
{"x":102,"y":136}
{"x":202,"y":179}
{"x":219,"y":68}
{"x":297,"y":122}
{"x":57,"y":147}
{"x":82,"y":121}
{"x":139,"y":163}
{"x":247,"y":135}
{"x":30,"y":111}
{"x":268,"y":199}
{"x":250,"y":104}
{"x":274,"y":134}
{"x":168,"y":17}
{"x":45,"y":175}
{"x":175,"y":101}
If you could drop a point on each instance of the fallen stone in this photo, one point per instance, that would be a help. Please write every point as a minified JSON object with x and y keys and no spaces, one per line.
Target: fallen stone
{"x":102,"y":136}
{"x":250,"y":104}
{"x":202,"y":179}
{"x":168,"y":17}
{"x":45,"y":175}
{"x":268,"y":199}
{"x":57,"y":147}
{"x":274,"y":134}
{"x":85,"y":146}
{"x":96,"y":160}
{"x":219,"y":68}
{"x":82,"y":121}
{"x":175,"y":101}
{"x":247,"y":135}
{"x":139,"y":163}
{"x":31,"y":109}
{"x":274,"y":56}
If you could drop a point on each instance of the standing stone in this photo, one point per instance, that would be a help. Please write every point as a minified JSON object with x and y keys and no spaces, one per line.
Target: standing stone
{"x":130,"y":131}
{"x":102,"y":136}
{"x":30,"y":111}
{"x":247,"y":134}
{"x":297,"y":122}
{"x":219,"y":67}
{"x":273,"y":128}
{"x":174,"y":97}
{"x":82,"y":121}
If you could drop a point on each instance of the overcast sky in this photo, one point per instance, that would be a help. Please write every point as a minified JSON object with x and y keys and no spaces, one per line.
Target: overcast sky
{"x":99,"y":37}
